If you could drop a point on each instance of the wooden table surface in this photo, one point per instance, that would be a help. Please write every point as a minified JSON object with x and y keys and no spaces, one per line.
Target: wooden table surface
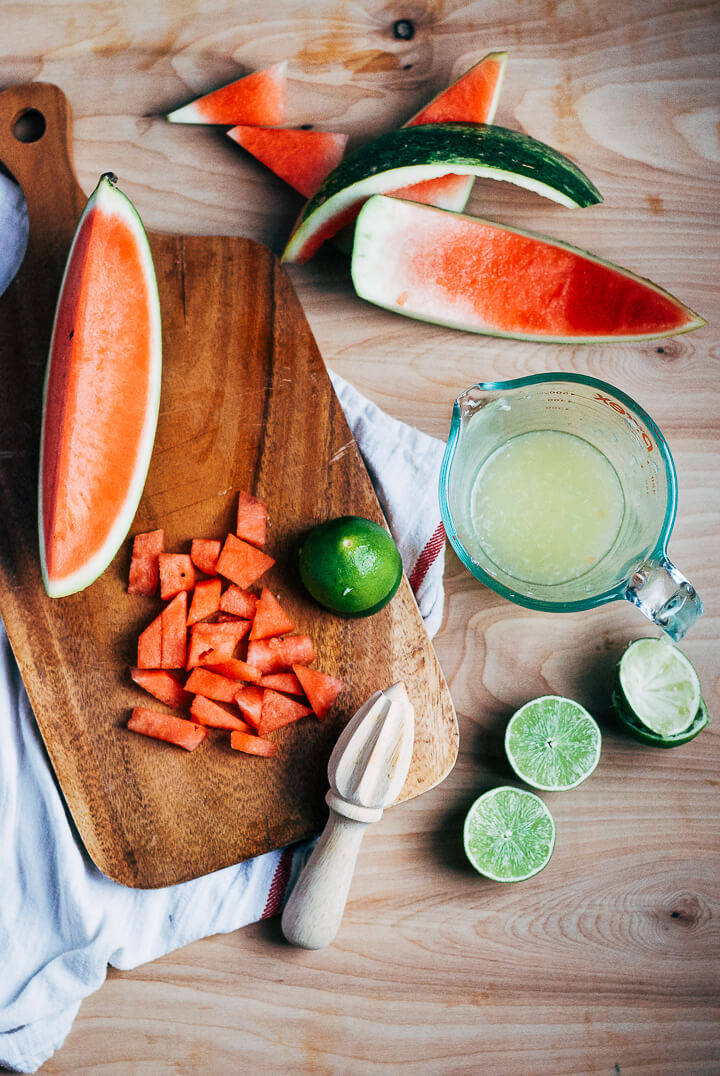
{"x":606,"y":962}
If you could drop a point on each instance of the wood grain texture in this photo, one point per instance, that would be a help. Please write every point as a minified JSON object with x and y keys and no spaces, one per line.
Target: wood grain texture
{"x":607,"y":962}
{"x":246,"y":404}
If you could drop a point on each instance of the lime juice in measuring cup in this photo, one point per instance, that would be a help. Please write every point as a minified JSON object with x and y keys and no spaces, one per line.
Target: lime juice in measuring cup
{"x":559,"y":492}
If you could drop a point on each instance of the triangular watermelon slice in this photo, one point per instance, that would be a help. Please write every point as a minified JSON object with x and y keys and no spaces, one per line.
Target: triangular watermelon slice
{"x":473,"y":98}
{"x":473,"y":274}
{"x":258,"y":98}
{"x":302,"y":158}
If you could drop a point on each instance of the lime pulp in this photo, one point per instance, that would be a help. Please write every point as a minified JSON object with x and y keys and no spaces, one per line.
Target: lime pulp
{"x":552,"y":743}
{"x":509,"y":834}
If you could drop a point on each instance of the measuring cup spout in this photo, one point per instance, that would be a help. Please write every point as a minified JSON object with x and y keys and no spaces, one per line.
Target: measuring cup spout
{"x":665,"y":596}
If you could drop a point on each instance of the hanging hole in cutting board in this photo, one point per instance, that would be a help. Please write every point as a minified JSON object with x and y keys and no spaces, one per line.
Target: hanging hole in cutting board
{"x":29,"y":126}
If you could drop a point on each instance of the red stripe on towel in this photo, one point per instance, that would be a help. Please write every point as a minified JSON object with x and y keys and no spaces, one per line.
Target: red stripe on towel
{"x":278,"y":885}
{"x":428,"y":555}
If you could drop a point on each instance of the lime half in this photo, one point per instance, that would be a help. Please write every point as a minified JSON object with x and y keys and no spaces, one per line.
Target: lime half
{"x":659,"y":687}
{"x":552,"y":743}
{"x":509,"y":834}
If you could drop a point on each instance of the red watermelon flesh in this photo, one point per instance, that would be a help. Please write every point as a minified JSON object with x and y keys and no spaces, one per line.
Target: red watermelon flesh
{"x":258,"y":98}
{"x":162,"y":684}
{"x":483,"y":277}
{"x":302,"y":158}
{"x":320,"y":688}
{"x":473,"y":98}
{"x":144,"y":573}
{"x":101,"y":396}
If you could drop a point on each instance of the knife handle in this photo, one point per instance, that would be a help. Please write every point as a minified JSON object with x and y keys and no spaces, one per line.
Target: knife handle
{"x":315,"y":907}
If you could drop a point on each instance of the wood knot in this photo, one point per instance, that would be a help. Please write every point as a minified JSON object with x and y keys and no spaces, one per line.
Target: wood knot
{"x":403,"y":30}
{"x":669,"y":350}
{"x":687,"y":911}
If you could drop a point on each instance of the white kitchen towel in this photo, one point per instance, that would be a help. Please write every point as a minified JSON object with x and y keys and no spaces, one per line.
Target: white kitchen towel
{"x":62,"y":921}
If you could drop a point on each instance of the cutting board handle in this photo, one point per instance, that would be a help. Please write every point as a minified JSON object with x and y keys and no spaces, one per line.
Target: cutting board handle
{"x":43,"y":168}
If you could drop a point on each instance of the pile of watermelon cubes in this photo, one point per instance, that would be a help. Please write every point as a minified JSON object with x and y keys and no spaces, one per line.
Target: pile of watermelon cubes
{"x":218,"y":648}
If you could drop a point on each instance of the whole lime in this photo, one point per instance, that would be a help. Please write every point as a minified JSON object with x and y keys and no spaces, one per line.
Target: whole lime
{"x":350,"y":565}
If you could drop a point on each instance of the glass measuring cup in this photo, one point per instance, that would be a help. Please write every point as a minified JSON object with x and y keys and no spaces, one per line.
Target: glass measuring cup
{"x":636,"y":566}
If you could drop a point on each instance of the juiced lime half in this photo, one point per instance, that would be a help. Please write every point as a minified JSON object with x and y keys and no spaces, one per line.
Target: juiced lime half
{"x":509,"y":834}
{"x":659,"y":686}
{"x":552,"y":743}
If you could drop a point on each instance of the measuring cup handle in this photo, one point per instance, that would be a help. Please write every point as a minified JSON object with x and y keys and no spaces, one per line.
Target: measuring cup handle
{"x":665,"y":596}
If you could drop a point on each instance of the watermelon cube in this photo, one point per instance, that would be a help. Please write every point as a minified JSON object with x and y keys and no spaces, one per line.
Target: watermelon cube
{"x":176,"y":573}
{"x":270,"y":618}
{"x":212,"y":685}
{"x":211,"y":643}
{"x":149,"y":650}
{"x":279,"y":655}
{"x":176,"y":730}
{"x":320,"y":689}
{"x":278,"y":710}
{"x":253,"y":745}
{"x":287,"y":683}
{"x":174,"y":632}
{"x":204,"y":553}
{"x":205,"y":600}
{"x":212,"y":714}
{"x":251,"y":519}
{"x":161,"y":684}
{"x":239,"y":602}
{"x":249,"y":699}
{"x":241,"y":562}
{"x":144,"y":564}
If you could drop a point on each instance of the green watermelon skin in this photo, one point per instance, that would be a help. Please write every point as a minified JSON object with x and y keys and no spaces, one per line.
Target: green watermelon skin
{"x":413,"y":154}
{"x":478,"y":276}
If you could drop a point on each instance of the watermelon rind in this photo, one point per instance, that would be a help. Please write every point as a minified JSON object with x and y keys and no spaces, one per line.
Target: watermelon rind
{"x":383,"y":223}
{"x":412,"y":154}
{"x":459,"y":194}
{"x":110,"y":200}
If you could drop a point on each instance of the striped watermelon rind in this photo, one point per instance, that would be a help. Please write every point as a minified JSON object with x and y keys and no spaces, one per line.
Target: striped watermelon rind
{"x":412,"y":154}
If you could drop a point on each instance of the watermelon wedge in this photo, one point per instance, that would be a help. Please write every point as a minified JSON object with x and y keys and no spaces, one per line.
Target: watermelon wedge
{"x":473,"y":98}
{"x":483,"y":277}
{"x":258,"y":98}
{"x":302,"y":158}
{"x":101,"y":394}
{"x":414,"y":154}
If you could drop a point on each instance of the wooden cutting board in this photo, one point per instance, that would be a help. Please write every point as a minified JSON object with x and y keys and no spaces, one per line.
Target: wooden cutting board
{"x":246,"y":404}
